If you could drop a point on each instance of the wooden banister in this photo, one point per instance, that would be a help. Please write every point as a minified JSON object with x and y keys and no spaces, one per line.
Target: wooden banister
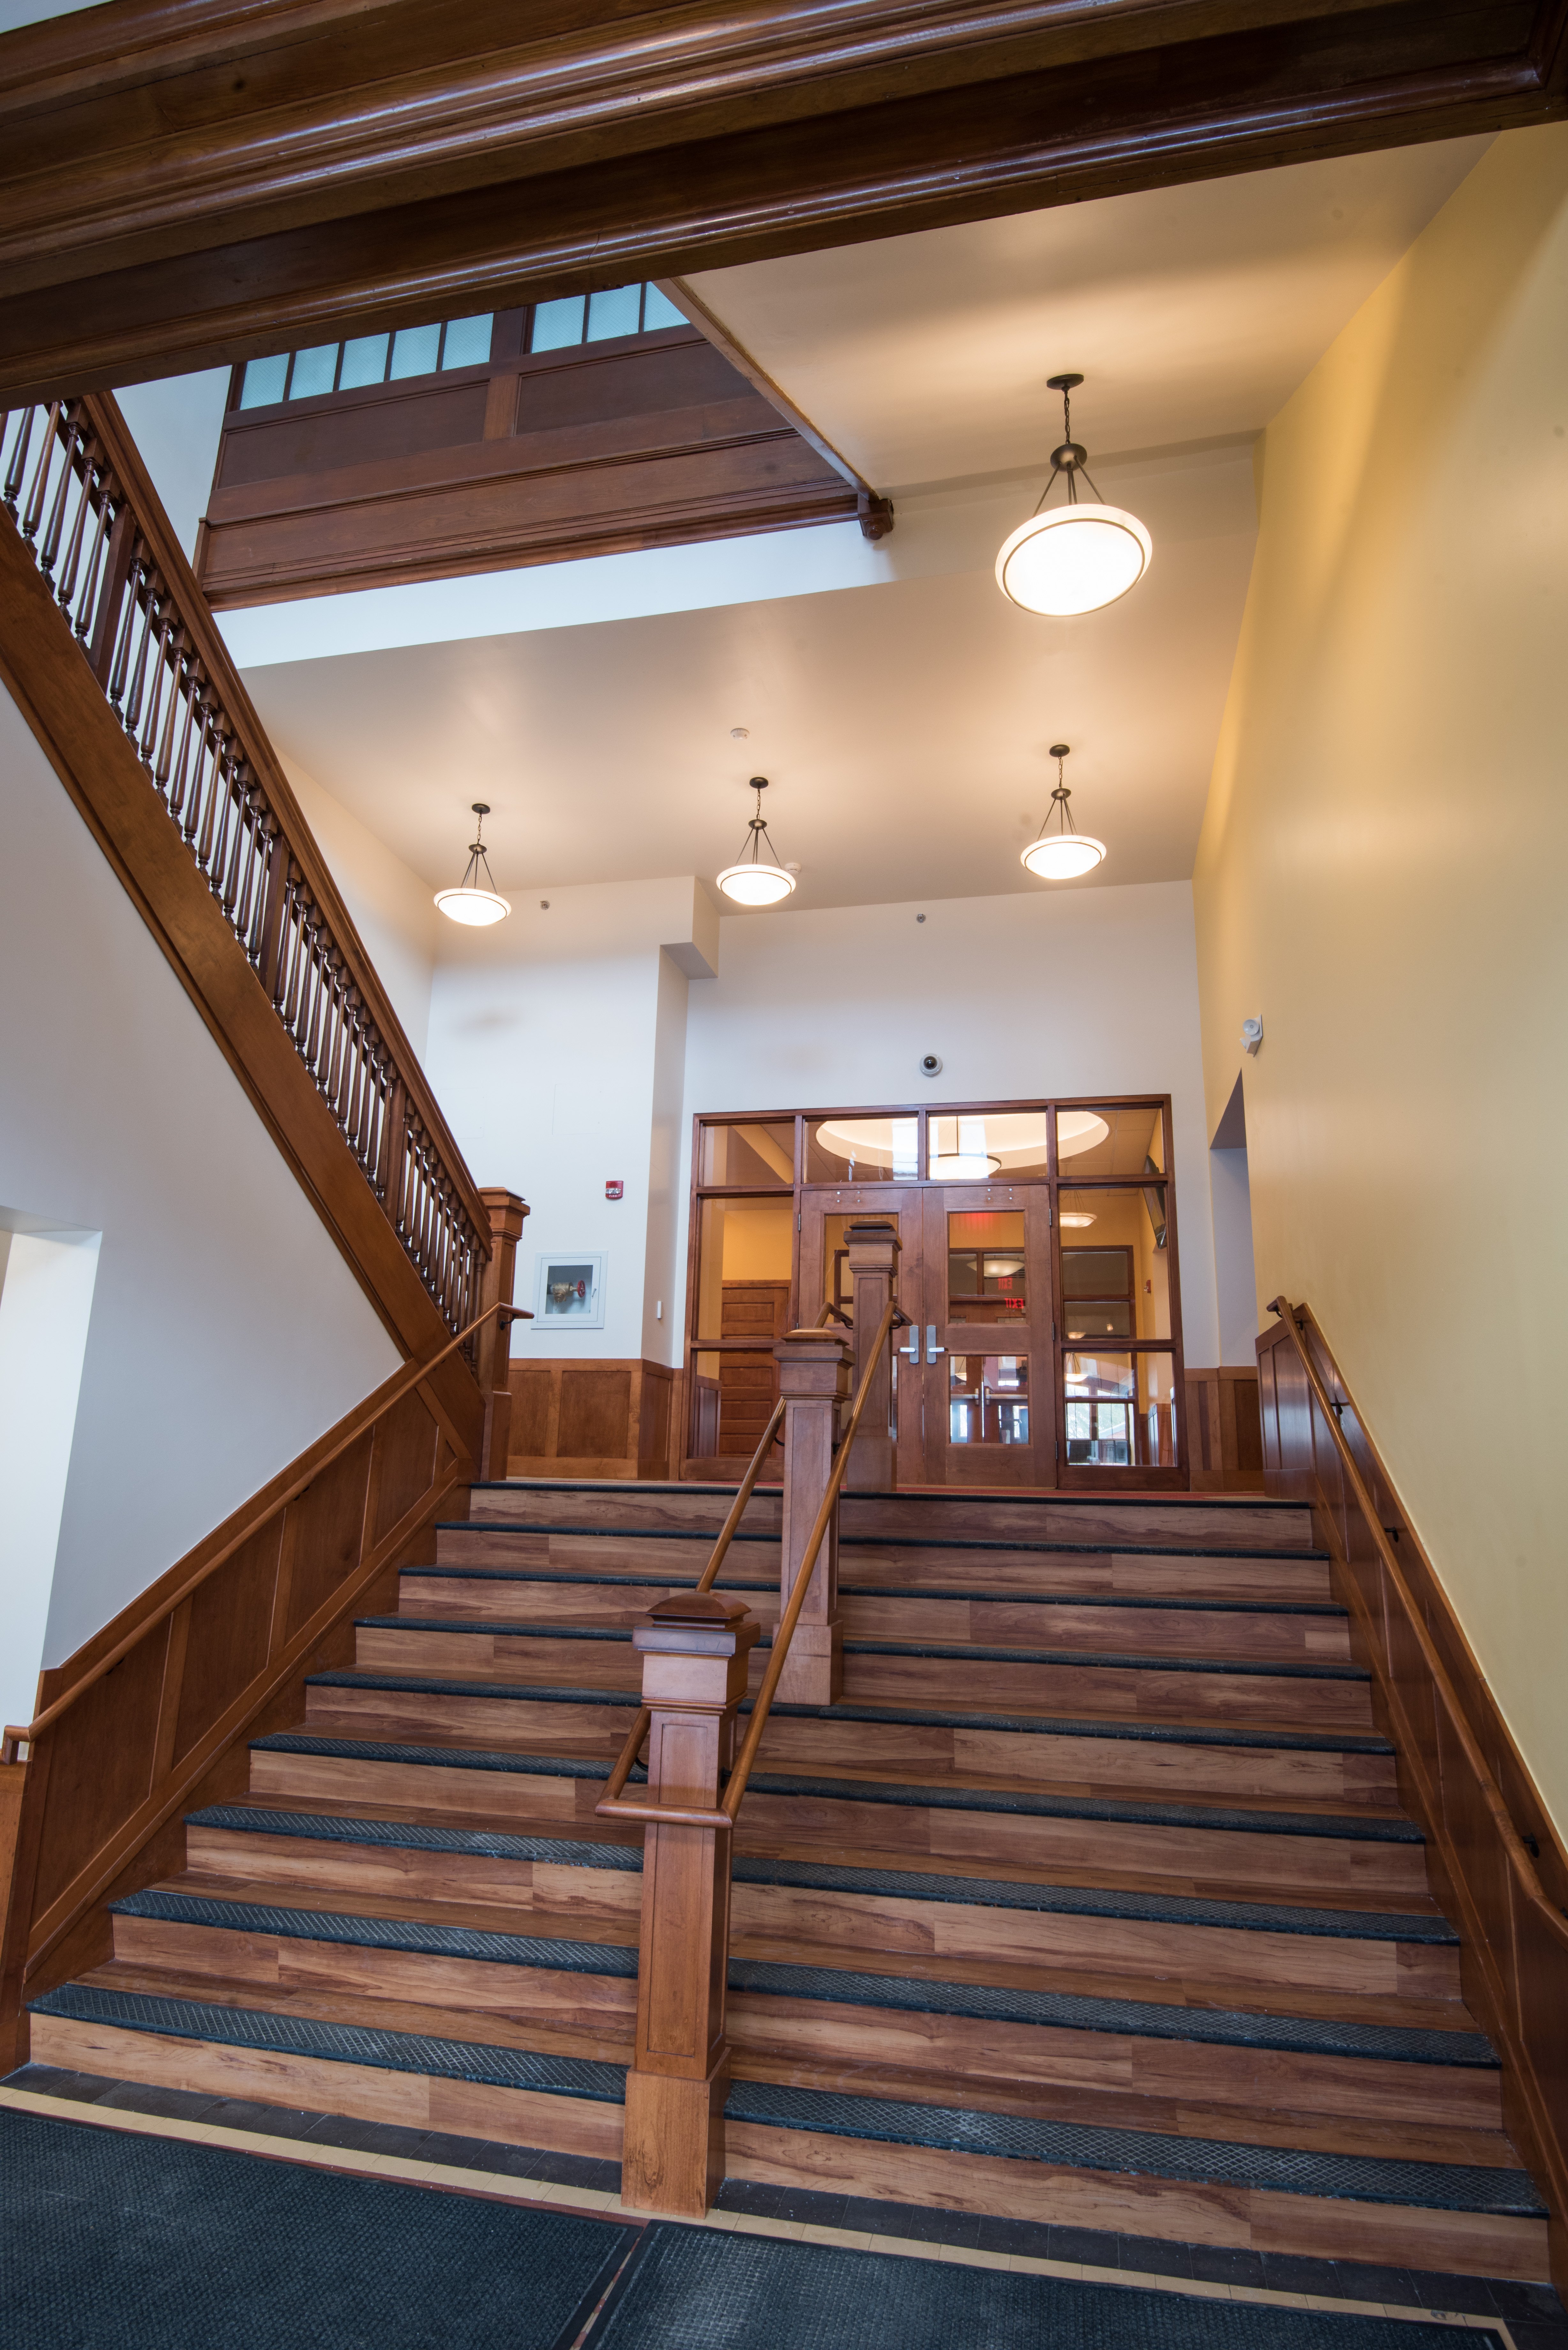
{"x":89,"y":523}
{"x":610,"y":1805}
{"x":403,"y":1383}
{"x":1519,"y":1858}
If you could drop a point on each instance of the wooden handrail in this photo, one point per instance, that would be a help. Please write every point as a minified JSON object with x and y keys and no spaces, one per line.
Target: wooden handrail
{"x":413,"y":1377}
{"x":1518,"y":1852}
{"x":83,"y":503}
{"x":609,"y":1806}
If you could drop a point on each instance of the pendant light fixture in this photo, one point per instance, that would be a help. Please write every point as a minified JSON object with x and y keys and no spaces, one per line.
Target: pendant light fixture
{"x":471,"y":902}
{"x":753,"y":879}
{"x":1078,"y":557}
{"x":1062,"y":855}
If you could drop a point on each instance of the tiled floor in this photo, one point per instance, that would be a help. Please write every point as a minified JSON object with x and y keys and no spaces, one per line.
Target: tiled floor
{"x":1531,"y":2313}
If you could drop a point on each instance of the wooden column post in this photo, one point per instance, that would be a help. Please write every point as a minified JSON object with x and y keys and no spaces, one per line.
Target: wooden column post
{"x":814,"y":1379}
{"x":695,"y":1648}
{"x":873,"y":1268}
{"x":494,"y":1363}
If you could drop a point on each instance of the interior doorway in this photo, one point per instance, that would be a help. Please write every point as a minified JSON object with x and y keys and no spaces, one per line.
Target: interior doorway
{"x":1037,"y":1261}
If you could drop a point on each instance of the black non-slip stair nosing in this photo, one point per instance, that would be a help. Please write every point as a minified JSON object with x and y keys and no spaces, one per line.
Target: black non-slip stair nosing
{"x":839,"y":1986}
{"x":836,"y":1877}
{"x":915,"y":1717}
{"x":890,"y":1592}
{"x":948,"y":1650}
{"x":1281,"y":1557}
{"x":1364,"y":2179}
{"x":1337,"y":1827}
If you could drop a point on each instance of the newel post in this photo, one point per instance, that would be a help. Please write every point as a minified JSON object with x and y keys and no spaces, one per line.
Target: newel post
{"x":695,"y":1648}
{"x":814,"y":1381}
{"x":873,"y":1269}
{"x":494,"y":1360}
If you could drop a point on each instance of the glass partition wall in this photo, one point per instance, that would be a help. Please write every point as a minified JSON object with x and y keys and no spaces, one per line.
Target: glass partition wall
{"x":1037,"y":1259}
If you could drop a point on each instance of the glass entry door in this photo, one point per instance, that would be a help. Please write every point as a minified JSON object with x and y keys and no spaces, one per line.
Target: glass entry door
{"x":986,"y":1336}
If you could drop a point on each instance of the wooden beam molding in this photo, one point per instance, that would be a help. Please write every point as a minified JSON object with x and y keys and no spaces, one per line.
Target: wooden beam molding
{"x":189,"y":183}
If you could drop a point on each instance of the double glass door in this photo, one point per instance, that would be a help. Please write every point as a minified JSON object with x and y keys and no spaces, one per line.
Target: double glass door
{"x":973,"y":1379}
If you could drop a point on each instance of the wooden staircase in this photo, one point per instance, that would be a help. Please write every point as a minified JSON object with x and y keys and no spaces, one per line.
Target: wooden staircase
{"x":1092,"y":1901}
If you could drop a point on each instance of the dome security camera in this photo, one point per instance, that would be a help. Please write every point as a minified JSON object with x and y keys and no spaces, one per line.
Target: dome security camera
{"x":931,"y":1065}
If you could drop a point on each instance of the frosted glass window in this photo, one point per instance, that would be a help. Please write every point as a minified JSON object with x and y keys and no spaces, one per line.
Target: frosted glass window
{"x":467,"y":342}
{"x":414,"y":351}
{"x":658,"y":310}
{"x":312,"y":371}
{"x":364,"y":361}
{"x":263,"y":381}
{"x":559,"y":325}
{"x":613,"y":312}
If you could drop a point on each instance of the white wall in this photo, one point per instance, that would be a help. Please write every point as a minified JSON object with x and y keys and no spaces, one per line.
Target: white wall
{"x":46,"y":1302}
{"x":1235,"y":1281}
{"x":1076,"y":992}
{"x":176,"y":424}
{"x":226,"y":1332}
{"x":555,"y":1050}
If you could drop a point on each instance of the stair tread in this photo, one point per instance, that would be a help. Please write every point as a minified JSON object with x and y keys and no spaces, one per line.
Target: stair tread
{"x":974,"y":1651}
{"x":1341,"y":1826}
{"x":1458,"y":2186}
{"x":914,"y":1885}
{"x":933,"y":1592}
{"x":1045,"y":1725}
{"x":1058,"y":2010}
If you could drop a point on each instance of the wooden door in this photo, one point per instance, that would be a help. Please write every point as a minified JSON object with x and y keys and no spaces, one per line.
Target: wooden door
{"x":988,"y":1336}
{"x":823,"y":1280}
{"x":757,"y":1310}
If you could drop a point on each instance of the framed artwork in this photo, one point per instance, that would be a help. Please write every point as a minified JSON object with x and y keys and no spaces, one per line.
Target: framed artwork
{"x":570,"y":1290}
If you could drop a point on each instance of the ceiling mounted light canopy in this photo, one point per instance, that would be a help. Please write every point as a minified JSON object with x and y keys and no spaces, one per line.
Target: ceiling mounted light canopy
{"x":1062,"y":855}
{"x":474,"y":903}
{"x":1078,"y":557}
{"x":753,"y":879}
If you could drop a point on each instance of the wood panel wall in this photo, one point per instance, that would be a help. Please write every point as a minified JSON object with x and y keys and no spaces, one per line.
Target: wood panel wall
{"x":591,"y":1418}
{"x":642,"y":441}
{"x":166,"y":1730}
{"x":1497,"y":1866}
{"x":1224,"y":1440}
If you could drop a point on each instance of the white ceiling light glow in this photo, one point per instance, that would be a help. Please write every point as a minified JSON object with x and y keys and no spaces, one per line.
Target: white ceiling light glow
{"x":1065,"y":854}
{"x":470,"y":903}
{"x":1079,"y":557}
{"x":753,"y":879}
{"x":971,"y":1162}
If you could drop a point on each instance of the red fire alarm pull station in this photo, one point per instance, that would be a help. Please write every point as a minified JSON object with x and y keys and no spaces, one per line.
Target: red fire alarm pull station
{"x":614,"y":1190}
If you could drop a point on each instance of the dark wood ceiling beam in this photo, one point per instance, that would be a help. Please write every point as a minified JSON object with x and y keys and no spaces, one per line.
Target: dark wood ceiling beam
{"x":781,"y":162}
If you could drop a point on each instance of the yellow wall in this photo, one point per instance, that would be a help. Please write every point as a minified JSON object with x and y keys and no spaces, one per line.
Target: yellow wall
{"x":1382,"y":879}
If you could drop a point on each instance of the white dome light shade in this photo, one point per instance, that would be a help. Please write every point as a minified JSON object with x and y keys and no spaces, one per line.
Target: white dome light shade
{"x":1076,"y":1222}
{"x":1063,"y":856}
{"x":473,"y":907}
{"x":755,"y":885}
{"x":1076,"y":559}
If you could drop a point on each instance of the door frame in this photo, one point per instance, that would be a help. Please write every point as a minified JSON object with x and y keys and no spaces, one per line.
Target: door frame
{"x":1174,"y":1478}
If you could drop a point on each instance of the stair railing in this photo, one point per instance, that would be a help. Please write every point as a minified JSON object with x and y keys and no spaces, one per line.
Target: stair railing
{"x":75,"y":488}
{"x":1505,"y":1886}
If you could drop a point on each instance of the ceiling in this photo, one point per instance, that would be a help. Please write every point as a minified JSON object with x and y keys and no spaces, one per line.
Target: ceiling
{"x":905,"y":725}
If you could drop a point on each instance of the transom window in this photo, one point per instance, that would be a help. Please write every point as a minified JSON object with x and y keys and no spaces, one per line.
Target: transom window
{"x":392,"y":358}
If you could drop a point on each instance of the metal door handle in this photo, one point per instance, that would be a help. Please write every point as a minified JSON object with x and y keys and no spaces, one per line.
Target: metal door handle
{"x":911,"y":1353}
{"x":932,"y":1349}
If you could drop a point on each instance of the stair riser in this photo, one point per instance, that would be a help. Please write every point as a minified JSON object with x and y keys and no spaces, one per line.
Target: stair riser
{"x":991,"y":1623}
{"x":1246,"y":2219}
{"x":804,"y":2039}
{"x":1212,"y":1865}
{"x":943,"y":1684}
{"x":905,"y":1567}
{"x":1467,"y":2243}
{"x":781,"y":1920}
{"x":1187,"y":1526}
{"x":363,"y":2092}
{"x":925,"y":1754}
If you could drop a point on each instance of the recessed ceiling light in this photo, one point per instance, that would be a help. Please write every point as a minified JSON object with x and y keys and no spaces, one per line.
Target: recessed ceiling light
{"x":740,"y":734}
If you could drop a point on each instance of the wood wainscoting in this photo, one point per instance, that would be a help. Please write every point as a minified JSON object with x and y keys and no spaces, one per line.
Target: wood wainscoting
{"x":1497,"y":1864}
{"x":1224,"y":1430}
{"x":591,"y":1417}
